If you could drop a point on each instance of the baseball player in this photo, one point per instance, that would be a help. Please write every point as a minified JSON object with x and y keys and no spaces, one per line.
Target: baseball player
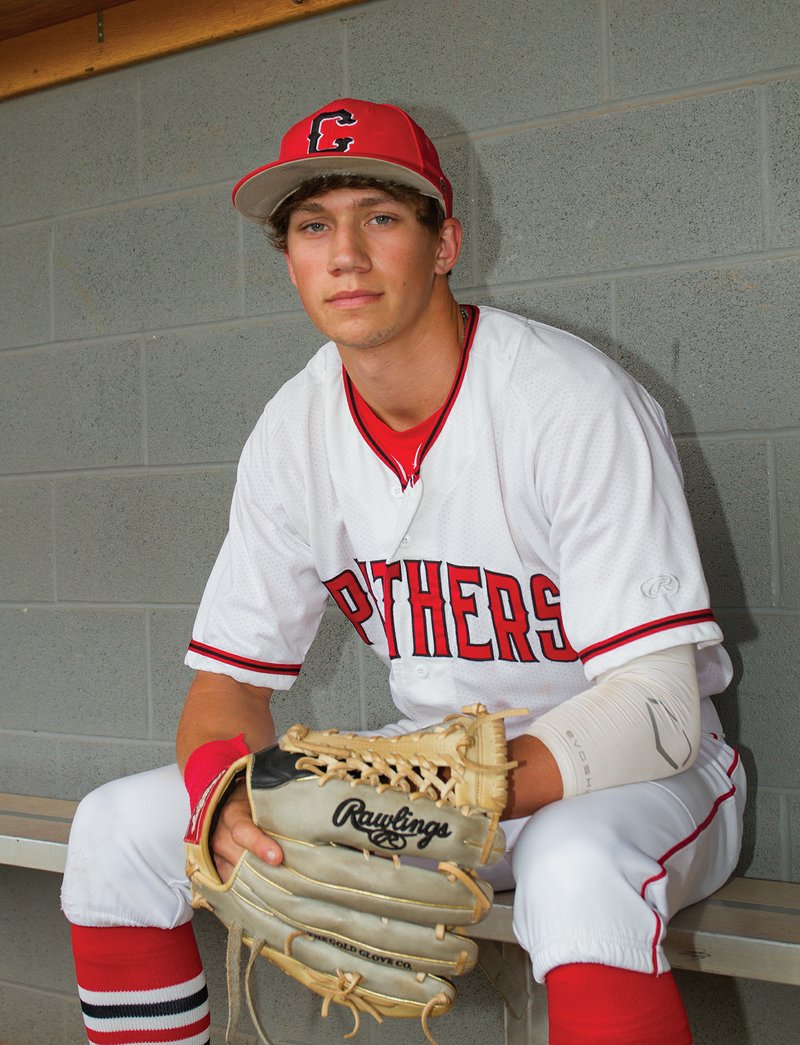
{"x":498,"y":511}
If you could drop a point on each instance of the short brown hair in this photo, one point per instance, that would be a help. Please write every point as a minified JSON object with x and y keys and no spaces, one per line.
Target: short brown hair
{"x":428,"y":210}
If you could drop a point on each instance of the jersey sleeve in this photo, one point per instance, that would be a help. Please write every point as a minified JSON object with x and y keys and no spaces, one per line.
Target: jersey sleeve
{"x":263,"y":600}
{"x":608,"y":478}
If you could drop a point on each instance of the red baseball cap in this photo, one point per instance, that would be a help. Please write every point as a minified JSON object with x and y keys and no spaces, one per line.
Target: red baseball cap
{"x":346,"y":136}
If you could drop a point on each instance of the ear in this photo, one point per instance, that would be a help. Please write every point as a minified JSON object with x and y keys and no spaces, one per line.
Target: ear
{"x":290,"y":268}
{"x":449,"y":247}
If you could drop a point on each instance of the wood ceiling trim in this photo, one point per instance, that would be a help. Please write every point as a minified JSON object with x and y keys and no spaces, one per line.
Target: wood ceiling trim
{"x":135,"y":32}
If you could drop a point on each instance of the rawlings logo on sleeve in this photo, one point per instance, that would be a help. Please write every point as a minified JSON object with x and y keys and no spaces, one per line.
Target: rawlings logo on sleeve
{"x":388,"y":830}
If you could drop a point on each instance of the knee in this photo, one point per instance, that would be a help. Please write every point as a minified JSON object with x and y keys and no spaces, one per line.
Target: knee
{"x":564,"y":867}
{"x":101,"y":824}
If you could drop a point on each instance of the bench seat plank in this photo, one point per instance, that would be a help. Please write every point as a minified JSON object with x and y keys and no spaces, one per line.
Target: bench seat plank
{"x":33,"y":842}
{"x":35,"y":805}
{"x":748,"y":928}
{"x":34,"y":831}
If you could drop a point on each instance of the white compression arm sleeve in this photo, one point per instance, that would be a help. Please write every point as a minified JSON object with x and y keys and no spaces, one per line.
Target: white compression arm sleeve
{"x":638,"y":722}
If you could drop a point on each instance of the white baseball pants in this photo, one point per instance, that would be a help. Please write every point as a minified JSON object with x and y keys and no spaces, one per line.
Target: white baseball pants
{"x":597,"y":877}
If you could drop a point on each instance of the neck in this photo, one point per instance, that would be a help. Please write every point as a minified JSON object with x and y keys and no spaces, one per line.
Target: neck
{"x":406,"y":381}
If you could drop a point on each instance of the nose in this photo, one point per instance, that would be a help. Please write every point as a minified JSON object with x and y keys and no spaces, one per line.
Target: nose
{"x":348,"y":251}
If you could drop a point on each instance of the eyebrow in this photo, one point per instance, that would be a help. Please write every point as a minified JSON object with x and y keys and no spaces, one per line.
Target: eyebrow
{"x":363,"y":203}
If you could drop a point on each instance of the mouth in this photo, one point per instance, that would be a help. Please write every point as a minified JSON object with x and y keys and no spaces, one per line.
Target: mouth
{"x":353,"y":298}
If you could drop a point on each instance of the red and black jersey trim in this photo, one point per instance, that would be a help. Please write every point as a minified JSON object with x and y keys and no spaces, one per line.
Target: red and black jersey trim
{"x":261,"y":666}
{"x":471,"y":315}
{"x":679,"y":620}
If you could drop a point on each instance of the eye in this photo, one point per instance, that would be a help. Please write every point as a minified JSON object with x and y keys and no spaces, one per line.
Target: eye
{"x":382,"y":219}
{"x":313,"y":226}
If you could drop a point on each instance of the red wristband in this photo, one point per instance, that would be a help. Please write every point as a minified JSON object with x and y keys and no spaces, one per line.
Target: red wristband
{"x":208,"y":762}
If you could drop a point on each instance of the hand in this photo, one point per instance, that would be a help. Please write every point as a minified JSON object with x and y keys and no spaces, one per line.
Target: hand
{"x":235,"y":832}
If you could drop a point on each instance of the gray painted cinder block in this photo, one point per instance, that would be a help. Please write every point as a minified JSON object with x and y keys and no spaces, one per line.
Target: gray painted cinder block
{"x":73,"y":671}
{"x":458,"y":79}
{"x":326,"y":695}
{"x":666,"y":44}
{"x":170,"y":631}
{"x":31,"y":1017}
{"x":31,"y":898}
{"x":70,"y":407}
{"x":727,"y":487}
{"x":24,"y":286}
{"x":455,"y":158}
{"x":29,"y":764}
{"x":762,"y":848}
{"x":219,"y":112}
{"x":68,"y":148}
{"x":583,"y":309}
{"x":267,"y":287}
{"x":140,"y":538}
{"x":207,"y":388}
{"x":644,"y":186}
{"x":379,"y":708}
{"x":26,"y":539}
{"x":727,"y":1011}
{"x":87,"y":764}
{"x":145,"y":266}
{"x":762,"y":715}
{"x":718,"y":346}
{"x":783,"y":115}
{"x":794,"y":836}
{"x":787,"y":455}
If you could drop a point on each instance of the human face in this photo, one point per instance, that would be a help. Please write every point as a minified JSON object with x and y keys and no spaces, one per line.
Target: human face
{"x":364,"y":266}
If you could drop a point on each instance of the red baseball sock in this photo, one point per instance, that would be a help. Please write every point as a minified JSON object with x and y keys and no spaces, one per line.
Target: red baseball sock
{"x":599,"y":1005}
{"x":141,"y":985}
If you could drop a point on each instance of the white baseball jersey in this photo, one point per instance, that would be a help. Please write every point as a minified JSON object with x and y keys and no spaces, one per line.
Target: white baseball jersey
{"x":545,"y":539}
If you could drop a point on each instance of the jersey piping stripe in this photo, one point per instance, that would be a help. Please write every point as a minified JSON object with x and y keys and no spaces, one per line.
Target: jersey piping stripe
{"x":663,"y":624}
{"x":471,"y":314}
{"x":263,"y":667}
{"x":682,"y":845}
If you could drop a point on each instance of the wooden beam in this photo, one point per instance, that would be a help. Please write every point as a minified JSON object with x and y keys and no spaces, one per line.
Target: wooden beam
{"x":18,"y":17}
{"x":135,"y":32}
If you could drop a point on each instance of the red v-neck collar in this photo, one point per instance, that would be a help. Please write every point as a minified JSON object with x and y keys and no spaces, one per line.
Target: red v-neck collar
{"x":404,"y":452}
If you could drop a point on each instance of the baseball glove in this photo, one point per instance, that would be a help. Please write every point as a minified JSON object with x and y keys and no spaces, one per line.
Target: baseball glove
{"x":346,"y":913}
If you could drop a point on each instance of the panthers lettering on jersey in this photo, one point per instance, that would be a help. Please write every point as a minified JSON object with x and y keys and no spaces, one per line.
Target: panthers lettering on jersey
{"x":444,"y":604}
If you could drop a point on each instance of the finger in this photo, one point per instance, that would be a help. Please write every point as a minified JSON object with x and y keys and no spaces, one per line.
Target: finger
{"x":248,"y":836}
{"x":224,"y":869}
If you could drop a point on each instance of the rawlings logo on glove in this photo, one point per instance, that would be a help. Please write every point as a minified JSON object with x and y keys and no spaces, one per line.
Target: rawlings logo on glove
{"x":388,"y":831}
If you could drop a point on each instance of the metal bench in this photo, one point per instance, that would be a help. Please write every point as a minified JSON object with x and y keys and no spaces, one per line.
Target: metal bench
{"x":750,"y":927}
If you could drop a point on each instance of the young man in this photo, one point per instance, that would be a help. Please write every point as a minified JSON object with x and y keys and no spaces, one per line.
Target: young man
{"x":498,"y":510}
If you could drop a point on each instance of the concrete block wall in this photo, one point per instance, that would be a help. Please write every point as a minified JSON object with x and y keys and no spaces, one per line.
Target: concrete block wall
{"x":627,"y":169}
